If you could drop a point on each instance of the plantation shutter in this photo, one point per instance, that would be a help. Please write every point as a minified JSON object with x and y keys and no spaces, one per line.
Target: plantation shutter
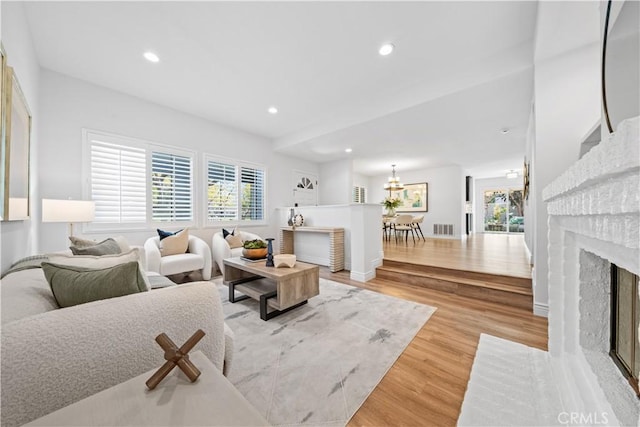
{"x":222,"y":192}
{"x":252,"y":190}
{"x":359,"y":194}
{"x":171,"y":184}
{"x":118,"y":182}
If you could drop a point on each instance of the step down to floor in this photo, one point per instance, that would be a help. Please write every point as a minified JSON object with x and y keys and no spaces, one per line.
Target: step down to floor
{"x":513,"y":291}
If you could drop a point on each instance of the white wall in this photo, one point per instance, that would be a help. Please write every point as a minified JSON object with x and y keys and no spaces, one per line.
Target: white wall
{"x":362,"y":236}
{"x":68,"y":105}
{"x":482,"y":185}
{"x":19,"y":238}
{"x":335,"y":183}
{"x":530,"y":202}
{"x":446,"y":194}
{"x":567,"y":104}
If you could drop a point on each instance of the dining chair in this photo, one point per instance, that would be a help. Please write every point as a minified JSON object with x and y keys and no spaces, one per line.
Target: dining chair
{"x":387,"y":226}
{"x":403,"y":223}
{"x":417,"y":220}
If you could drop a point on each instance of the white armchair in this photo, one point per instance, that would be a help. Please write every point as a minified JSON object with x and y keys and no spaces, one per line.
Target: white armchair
{"x":221,"y":249}
{"x":197,"y":258}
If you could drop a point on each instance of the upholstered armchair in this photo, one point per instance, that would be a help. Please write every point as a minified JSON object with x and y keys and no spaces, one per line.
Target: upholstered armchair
{"x":198,"y":257}
{"x":222,"y":250}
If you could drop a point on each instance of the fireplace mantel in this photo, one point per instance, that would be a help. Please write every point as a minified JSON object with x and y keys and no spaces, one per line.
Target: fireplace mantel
{"x":594,"y":220}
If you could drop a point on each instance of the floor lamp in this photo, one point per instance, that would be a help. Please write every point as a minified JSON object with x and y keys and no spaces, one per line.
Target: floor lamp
{"x":71,"y":211}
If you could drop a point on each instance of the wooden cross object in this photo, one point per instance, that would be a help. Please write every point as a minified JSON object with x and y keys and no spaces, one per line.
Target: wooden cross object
{"x":176,"y":356}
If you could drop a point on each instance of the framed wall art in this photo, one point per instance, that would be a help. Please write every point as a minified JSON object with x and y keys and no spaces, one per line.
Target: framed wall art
{"x":414,"y":198}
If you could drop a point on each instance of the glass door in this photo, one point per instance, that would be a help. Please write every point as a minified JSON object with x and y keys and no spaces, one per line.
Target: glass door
{"x":516,"y":211}
{"x":495,"y":210}
{"x":503,"y":211}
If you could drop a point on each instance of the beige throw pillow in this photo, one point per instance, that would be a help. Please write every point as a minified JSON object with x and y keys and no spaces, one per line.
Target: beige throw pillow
{"x":234,"y":241}
{"x":176,"y":244}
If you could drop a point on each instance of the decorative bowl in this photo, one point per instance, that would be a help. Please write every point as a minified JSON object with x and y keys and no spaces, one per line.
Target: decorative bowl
{"x":284,"y":260}
{"x":254,"y":253}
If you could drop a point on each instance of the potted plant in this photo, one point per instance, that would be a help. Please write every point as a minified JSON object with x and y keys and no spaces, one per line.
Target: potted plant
{"x":391,"y":203}
{"x":254,"y":249}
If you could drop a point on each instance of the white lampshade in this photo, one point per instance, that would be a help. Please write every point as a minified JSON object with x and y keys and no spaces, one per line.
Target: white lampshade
{"x":68,"y":210}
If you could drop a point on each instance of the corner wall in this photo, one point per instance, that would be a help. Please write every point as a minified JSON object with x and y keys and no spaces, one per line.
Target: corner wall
{"x":335,"y":183}
{"x":567,"y":104}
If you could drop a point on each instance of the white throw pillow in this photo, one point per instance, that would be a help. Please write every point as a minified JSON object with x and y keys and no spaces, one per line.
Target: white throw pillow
{"x":104,"y":261}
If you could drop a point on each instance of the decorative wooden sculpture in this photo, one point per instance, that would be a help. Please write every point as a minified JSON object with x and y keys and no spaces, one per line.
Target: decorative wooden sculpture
{"x":176,"y":356}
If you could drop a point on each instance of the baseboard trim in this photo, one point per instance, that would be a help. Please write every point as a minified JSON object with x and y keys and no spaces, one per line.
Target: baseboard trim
{"x":540,"y":309}
{"x":362,"y":277}
{"x":313,"y":260}
{"x":529,"y":256}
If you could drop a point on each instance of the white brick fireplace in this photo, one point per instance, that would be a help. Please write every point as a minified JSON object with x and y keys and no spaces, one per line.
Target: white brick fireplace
{"x":594,"y":220}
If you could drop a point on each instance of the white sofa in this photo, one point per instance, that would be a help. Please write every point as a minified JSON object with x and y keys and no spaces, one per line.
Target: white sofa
{"x":198,"y":258}
{"x":52,"y":357}
{"x":221,"y":250}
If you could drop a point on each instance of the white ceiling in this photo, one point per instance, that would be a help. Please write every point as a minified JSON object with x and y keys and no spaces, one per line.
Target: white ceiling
{"x":461,"y":71}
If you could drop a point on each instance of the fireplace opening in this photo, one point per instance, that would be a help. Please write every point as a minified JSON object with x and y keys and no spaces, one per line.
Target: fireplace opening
{"x":625,"y":320}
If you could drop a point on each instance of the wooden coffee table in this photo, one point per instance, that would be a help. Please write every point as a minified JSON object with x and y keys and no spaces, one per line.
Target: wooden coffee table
{"x":277,"y":289}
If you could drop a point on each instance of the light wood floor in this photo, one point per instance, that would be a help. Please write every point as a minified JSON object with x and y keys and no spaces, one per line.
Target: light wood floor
{"x":426,"y":385}
{"x":486,"y":253}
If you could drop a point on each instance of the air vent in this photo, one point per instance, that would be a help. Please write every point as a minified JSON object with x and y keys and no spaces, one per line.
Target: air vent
{"x":443,"y":229}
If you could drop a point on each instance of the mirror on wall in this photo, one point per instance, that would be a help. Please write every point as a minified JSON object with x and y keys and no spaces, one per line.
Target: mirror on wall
{"x":621,"y":63}
{"x":16,"y":134}
{"x":3,"y":66}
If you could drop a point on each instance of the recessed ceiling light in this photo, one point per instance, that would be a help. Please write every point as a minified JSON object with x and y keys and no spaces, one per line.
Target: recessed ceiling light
{"x":272,"y":110}
{"x":504,"y":131}
{"x":348,"y":150}
{"x":386,"y":49}
{"x":151,"y":57}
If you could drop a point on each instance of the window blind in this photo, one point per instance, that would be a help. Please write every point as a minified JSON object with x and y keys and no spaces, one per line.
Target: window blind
{"x":359,"y":194}
{"x":222,"y":192}
{"x":252,"y":187}
{"x":171,"y":187}
{"x":118,"y":182}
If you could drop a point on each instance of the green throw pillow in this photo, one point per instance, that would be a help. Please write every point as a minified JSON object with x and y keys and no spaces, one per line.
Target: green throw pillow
{"x":106,"y":247}
{"x":78,"y":285}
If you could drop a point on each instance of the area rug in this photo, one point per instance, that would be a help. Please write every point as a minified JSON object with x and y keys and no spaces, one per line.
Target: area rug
{"x":511,"y":384}
{"x":317,"y":364}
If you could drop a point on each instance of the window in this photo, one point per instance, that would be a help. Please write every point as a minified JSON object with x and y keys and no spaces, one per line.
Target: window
{"x":252,"y":187}
{"x":118,"y":183}
{"x":134,"y":182}
{"x":222,"y":192}
{"x":171,"y":187}
{"x":235,"y":191}
{"x":359,"y":194}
